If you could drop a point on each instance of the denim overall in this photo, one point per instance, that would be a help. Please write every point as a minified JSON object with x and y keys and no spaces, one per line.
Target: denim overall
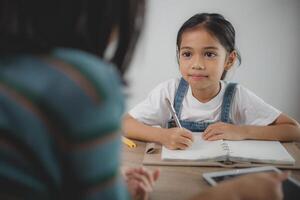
{"x":201,"y":126}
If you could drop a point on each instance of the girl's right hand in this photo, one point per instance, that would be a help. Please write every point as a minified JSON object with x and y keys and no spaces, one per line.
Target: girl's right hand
{"x":177,"y":138}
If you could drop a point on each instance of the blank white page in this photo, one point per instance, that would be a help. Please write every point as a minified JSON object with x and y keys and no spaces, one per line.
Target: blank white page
{"x":200,"y":150}
{"x":259,"y":151}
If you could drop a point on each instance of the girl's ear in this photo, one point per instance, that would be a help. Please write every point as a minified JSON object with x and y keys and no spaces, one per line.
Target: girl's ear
{"x":177,"y":54}
{"x":230,"y":60}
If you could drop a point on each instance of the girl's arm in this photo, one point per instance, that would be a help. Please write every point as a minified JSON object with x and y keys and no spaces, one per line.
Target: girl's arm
{"x":173,"y":138}
{"x":284,"y":128}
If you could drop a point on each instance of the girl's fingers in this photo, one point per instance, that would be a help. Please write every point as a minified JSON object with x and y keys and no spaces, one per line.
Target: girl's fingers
{"x":185,"y":141}
{"x":181,"y":146}
{"x":209,"y":134}
{"x":216,"y":137}
{"x":211,"y":128}
{"x":207,"y":131}
{"x":188,"y":135}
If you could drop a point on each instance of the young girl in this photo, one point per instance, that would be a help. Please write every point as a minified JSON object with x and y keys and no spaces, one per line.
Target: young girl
{"x":203,"y":101}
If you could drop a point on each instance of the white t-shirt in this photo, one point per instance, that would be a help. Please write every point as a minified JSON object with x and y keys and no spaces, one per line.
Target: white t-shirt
{"x":246,"y":108}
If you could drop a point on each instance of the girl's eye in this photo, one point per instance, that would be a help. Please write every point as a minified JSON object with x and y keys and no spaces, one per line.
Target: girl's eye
{"x":186,"y":54}
{"x":210,"y":54}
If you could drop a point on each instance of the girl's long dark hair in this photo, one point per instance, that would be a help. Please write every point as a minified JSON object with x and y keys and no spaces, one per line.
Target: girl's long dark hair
{"x":35,"y":26}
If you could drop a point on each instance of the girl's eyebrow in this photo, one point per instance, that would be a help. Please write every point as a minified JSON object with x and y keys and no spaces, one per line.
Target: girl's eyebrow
{"x":211,"y":47}
{"x":208,"y":47}
{"x":186,"y":48}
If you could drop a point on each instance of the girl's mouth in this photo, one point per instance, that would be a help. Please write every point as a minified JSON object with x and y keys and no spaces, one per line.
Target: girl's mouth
{"x":198,"y":76}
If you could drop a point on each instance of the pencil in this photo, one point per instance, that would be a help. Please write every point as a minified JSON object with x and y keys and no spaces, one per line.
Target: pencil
{"x":172,"y":111}
{"x":128,"y":142}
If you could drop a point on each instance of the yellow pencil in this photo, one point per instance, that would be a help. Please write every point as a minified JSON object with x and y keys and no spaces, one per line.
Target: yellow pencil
{"x":128,"y":142}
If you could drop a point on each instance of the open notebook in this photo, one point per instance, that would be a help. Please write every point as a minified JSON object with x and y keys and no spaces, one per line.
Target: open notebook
{"x":257,"y":151}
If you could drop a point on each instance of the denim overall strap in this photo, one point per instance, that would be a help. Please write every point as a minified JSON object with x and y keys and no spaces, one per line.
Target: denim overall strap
{"x":227,"y":102}
{"x":194,"y":126}
{"x":180,"y":94}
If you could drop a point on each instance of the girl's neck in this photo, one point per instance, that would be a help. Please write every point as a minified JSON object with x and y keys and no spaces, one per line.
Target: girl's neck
{"x":205,"y":95}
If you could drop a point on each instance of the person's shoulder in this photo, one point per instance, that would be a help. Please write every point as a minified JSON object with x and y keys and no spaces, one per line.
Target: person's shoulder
{"x":239,"y":88}
{"x":79,"y":56}
{"x":242,"y":90}
{"x":94,"y":68}
{"x":99,"y":73}
{"x":243,"y":94}
{"x":91,"y":91}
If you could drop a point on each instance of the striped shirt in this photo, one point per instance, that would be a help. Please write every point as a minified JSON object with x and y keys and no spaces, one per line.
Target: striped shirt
{"x":60,"y":117}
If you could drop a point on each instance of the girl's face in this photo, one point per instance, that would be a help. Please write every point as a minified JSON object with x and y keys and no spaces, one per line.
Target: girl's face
{"x":202,"y":59}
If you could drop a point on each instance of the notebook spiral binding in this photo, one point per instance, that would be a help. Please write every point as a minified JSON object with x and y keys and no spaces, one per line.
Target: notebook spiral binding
{"x":226,"y":148}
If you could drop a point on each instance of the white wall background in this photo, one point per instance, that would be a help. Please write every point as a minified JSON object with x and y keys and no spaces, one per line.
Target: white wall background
{"x":267,"y":36}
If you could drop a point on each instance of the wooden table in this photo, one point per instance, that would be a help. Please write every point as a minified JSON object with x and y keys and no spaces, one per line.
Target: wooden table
{"x":175,"y":182}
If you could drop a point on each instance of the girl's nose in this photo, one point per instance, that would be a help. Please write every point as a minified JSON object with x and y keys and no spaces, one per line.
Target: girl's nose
{"x":198,"y":67}
{"x":198,"y":63}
